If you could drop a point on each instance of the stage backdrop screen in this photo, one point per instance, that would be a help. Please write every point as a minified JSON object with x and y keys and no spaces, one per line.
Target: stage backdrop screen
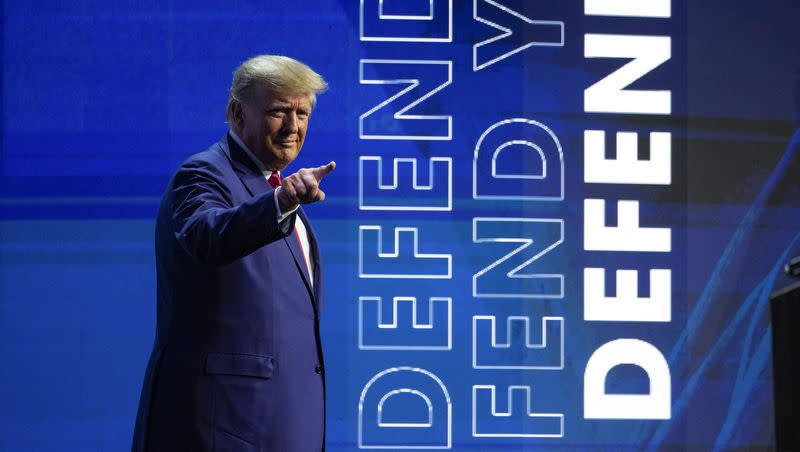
{"x":551,"y":225}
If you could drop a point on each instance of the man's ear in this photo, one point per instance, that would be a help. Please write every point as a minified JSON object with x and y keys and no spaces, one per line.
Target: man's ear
{"x":238,"y":116}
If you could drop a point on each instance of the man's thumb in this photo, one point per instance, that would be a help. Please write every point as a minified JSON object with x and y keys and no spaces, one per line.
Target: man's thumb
{"x":323,"y":170}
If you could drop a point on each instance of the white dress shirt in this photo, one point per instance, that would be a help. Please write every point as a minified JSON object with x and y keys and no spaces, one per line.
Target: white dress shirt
{"x":300,"y":227}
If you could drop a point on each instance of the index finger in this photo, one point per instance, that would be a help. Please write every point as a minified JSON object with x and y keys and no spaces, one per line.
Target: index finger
{"x":323,"y":170}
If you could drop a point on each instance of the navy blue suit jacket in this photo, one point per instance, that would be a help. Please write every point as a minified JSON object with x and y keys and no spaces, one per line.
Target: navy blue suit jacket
{"x":237,"y":359}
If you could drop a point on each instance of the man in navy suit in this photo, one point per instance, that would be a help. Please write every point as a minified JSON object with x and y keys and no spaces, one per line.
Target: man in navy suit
{"x":237,"y":360}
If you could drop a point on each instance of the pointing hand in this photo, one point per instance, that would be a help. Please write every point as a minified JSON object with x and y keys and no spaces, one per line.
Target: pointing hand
{"x":302,"y":187}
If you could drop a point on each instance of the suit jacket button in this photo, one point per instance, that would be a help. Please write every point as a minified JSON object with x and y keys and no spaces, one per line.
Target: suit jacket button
{"x":318,"y":369}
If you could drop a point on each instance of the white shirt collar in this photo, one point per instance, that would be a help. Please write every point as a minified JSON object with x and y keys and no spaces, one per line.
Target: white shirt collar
{"x":267,"y":173}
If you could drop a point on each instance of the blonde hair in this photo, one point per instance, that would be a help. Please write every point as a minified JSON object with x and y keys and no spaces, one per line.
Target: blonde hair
{"x":279,"y":74}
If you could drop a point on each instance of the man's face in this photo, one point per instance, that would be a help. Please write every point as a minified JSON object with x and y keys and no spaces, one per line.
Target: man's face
{"x":274,"y":126}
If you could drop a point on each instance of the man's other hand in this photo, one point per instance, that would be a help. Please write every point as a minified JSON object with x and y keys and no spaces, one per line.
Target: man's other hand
{"x":302,"y":187}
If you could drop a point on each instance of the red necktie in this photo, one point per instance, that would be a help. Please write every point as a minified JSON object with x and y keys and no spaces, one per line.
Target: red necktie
{"x":275,"y":181}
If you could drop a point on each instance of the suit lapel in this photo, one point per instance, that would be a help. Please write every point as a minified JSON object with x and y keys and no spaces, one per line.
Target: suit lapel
{"x":314,"y":257}
{"x":297,"y":253}
{"x":245,"y":168}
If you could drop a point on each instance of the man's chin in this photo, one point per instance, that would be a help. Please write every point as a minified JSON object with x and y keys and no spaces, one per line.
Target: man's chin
{"x":287,"y":151}
{"x":281,"y":163}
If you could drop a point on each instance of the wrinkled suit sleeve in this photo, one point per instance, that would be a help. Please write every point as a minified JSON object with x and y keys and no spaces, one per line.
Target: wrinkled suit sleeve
{"x":210,"y":227}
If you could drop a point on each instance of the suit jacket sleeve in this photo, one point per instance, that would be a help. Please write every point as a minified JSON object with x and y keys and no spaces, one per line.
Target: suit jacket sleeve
{"x":210,"y":227}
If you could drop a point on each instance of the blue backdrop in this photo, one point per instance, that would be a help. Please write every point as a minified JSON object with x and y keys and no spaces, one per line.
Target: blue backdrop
{"x":103,"y":100}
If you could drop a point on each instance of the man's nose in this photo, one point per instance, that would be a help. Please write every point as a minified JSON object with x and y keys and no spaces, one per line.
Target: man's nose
{"x":290,"y":122}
